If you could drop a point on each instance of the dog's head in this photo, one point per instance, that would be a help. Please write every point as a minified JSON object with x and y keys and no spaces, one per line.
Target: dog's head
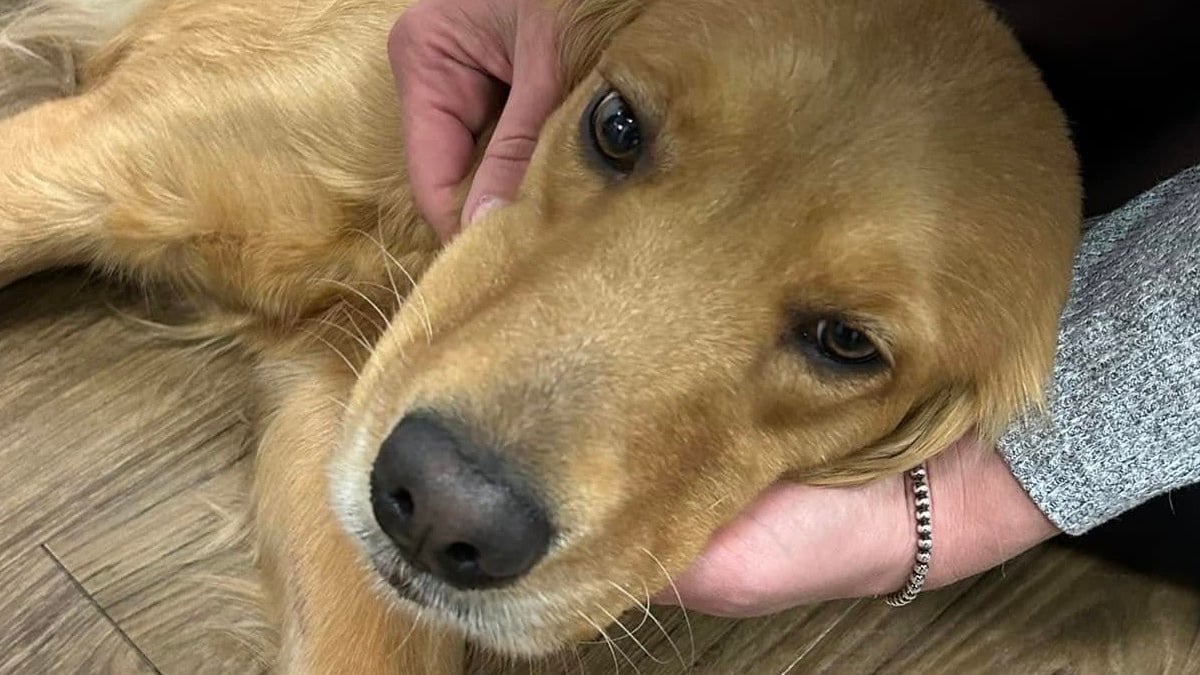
{"x":777,"y":239}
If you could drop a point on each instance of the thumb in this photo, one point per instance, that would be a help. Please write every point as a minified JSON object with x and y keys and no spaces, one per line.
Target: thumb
{"x":535,"y":93}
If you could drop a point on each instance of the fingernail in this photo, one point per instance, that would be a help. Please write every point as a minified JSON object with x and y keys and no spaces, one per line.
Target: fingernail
{"x":485,"y":205}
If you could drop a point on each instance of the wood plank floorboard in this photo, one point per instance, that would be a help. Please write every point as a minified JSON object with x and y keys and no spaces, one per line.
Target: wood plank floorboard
{"x":51,"y":626}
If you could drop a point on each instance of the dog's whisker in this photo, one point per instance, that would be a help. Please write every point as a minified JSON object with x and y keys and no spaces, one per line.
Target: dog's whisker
{"x":360,"y":294}
{"x":367,"y":316}
{"x":649,"y":614}
{"x":678,"y":598}
{"x":383,"y":250}
{"x":578,"y":659}
{"x":666,"y":634}
{"x":612,"y":646}
{"x":639,"y":605}
{"x":413,"y":285}
{"x":390,"y":289}
{"x":347,"y":332}
{"x":386,"y":255}
{"x":416,"y":623}
{"x":387,"y":322}
{"x":645,"y":607}
{"x":629,"y":633}
{"x":335,"y":350}
{"x":366,"y":341}
{"x":373,"y":330}
{"x":340,"y":403}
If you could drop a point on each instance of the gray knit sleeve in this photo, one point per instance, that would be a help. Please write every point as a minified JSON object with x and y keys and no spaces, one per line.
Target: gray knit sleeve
{"x":1125,"y":394}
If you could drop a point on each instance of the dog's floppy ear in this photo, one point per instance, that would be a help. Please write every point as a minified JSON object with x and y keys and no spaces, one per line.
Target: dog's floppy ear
{"x":984,"y":408}
{"x":585,"y":29}
{"x":931,"y":427}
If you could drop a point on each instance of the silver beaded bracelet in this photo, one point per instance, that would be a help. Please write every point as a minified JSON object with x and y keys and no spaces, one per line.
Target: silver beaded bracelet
{"x":922,"y":506}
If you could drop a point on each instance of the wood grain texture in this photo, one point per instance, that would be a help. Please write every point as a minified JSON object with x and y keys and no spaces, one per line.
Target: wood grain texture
{"x":179,"y":577}
{"x":110,"y":440}
{"x":51,"y":626}
{"x":125,"y":471}
{"x":98,"y":416}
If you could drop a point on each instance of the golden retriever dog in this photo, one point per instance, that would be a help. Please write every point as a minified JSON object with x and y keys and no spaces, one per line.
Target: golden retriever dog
{"x":808,"y":240}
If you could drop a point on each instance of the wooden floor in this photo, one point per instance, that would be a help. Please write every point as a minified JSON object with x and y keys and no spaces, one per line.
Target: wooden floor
{"x":123,"y":467}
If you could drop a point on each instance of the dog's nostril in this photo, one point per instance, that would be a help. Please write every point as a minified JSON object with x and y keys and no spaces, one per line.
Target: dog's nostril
{"x":462,"y":553}
{"x":403,"y":501}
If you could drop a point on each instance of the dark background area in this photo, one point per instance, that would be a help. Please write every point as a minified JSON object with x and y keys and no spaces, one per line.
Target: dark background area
{"x":1127,"y":74}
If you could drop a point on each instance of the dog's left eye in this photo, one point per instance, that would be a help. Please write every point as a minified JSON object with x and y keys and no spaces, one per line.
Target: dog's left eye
{"x":837,"y":341}
{"x":615,"y":132}
{"x":844,"y":343}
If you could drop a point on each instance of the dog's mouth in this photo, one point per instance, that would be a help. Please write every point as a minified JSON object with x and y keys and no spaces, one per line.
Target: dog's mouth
{"x":420,"y":588}
{"x":508,"y":620}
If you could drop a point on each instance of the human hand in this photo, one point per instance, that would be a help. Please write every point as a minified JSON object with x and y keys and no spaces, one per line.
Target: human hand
{"x":799,"y":544}
{"x":452,"y":61}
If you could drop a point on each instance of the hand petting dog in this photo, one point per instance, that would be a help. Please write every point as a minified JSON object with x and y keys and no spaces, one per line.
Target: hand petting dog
{"x":455,"y":60}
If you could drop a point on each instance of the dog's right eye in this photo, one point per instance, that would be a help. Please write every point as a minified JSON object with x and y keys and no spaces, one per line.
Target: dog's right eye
{"x":615,"y":133}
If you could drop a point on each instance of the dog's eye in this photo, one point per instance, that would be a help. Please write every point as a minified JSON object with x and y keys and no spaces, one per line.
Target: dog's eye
{"x":615,"y":132}
{"x":843,"y":343}
{"x":838,"y":341}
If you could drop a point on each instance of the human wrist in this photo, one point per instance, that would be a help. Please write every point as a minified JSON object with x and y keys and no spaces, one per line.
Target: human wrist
{"x":982,"y":516}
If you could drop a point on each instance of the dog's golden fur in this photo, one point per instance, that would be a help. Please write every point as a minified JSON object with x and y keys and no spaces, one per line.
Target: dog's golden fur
{"x":897,"y":163}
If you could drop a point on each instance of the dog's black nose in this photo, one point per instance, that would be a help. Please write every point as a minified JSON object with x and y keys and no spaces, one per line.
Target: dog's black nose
{"x":454,"y":509}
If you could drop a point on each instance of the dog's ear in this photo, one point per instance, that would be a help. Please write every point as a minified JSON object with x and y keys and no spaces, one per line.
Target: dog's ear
{"x":931,"y":427}
{"x":985,"y":409}
{"x":585,"y":29}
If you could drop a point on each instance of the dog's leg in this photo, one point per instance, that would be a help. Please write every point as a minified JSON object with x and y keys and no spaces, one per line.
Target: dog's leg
{"x":50,"y":210}
{"x":156,"y":191}
{"x":333,"y":619}
{"x":262,"y":180}
{"x":81,"y":183}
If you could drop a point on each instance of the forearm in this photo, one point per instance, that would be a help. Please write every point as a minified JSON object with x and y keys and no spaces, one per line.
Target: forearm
{"x":1125,"y":396}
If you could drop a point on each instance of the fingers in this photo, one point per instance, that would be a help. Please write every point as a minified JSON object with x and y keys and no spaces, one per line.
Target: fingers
{"x":799,"y":544}
{"x":447,"y":100}
{"x":450,"y":60}
{"x":536,"y":91}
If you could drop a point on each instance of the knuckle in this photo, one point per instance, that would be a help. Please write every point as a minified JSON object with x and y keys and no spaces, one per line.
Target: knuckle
{"x":414,"y":27}
{"x":402,"y":28}
{"x":511,"y":149}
